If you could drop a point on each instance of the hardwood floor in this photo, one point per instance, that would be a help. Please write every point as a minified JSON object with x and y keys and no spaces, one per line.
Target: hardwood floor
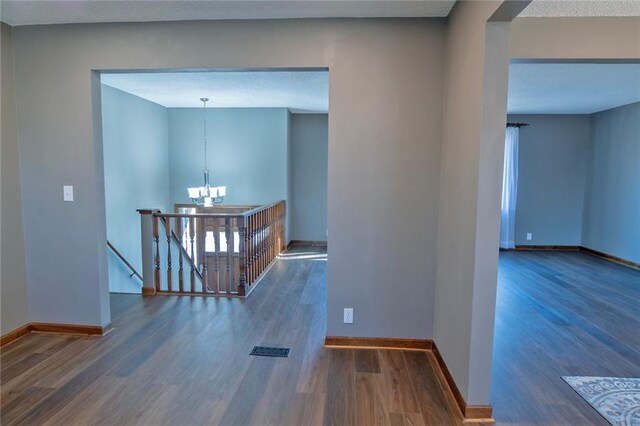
{"x":561,"y":313}
{"x":184,"y":361}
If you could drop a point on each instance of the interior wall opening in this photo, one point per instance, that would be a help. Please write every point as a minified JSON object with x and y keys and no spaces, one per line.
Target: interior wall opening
{"x":569,"y":234}
{"x":212,"y":142}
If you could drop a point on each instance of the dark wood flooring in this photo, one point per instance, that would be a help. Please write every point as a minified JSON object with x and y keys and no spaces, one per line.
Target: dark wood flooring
{"x":184,"y":361}
{"x":561,"y":313}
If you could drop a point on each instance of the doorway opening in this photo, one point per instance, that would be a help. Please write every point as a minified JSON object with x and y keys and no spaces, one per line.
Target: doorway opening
{"x":570,"y":251}
{"x":261,"y":139}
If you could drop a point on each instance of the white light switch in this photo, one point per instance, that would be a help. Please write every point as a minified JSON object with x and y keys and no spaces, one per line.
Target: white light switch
{"x":67,"y":193}
{"x":529,"y":236}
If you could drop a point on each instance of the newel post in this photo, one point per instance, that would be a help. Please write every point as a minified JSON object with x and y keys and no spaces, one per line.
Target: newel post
{"x":242,"y":266}
{"x":148,"y":261}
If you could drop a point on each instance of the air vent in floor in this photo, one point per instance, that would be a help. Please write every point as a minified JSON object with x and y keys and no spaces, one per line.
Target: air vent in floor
{"x":269,"y":351}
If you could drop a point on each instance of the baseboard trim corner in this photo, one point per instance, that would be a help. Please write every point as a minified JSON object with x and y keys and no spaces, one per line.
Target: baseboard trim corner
{"x":14,"y":335}
{"x":377,"y":343}
{"x":470,"y":413}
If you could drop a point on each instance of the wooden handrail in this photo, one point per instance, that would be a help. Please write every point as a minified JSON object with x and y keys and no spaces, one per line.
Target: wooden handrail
{"x":261,"y":208}
{"x":126,"y":262}
{"x":202,"y":215}
{"x":252,"y":240}
{"x":220,"y":215}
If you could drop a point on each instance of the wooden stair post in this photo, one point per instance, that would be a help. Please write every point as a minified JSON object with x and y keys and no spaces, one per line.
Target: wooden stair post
{"x":148,"y":257}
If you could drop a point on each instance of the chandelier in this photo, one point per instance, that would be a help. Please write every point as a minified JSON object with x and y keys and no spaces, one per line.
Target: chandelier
{"x":206,"y":195}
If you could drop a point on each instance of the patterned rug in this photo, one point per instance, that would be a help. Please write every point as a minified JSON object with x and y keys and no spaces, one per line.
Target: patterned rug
{"x":616,"y":399}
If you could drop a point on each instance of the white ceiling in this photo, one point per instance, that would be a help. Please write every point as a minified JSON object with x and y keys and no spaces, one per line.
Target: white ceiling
{"x":557,"y":8}
{"x":301,"y":91}
{"x":543,"y":88}
{"x":27,"y":12}
{"x":534,"y":88}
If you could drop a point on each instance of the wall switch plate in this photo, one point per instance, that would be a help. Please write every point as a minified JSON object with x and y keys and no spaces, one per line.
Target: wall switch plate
{"x":348,"y":316}
{"x":67,"y":193}
{"x":529,"y":236}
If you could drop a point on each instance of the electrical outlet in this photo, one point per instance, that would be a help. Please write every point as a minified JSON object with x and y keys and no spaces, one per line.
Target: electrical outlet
{"x":67,"y":193}
{"x":529,"y":236}
{"x":348,"y":316}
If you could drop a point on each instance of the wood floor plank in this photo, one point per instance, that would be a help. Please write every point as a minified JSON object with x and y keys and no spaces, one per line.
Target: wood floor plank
{"x":435,"y":407}
{"x":367,"y":361}
{"x":150,"y":407}
{"x":400,"y":396}
{"x":407,"y":419}
{"x":106,"y":397}
{"x":39,"y":376}
{"x":193,"y":403}
{"x":315,"y":367}
{"x":307,"y":409}
{"x":22,"y":400}
{"x":371,"y":409}
{"x":340,"y":405}
{"x":29,"y":343}
{"x":28,"y":362}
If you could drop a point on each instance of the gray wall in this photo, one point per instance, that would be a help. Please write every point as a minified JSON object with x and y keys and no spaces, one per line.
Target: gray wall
{"x":309,"y":140}
{"x":384,"y":153}
{"x":13,"y":287}
{"x":475,"y":102}
{"x":247,"y":152}
{"x":136,"y":171}
{"x":556,"y":38}
{"x":578,"y":181}
{"x":612,"y":205}
{"x":552,"y":171}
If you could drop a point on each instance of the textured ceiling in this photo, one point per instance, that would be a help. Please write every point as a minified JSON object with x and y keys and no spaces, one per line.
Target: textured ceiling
{"x":556,"y":8}
{"x":28,"y":12}
{"x":571,"y":88}
{"x":31,"y":12}
{"x":301,"y":91}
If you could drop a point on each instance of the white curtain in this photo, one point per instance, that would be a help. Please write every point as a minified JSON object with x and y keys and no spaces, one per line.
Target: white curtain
{"x":509,"y":189}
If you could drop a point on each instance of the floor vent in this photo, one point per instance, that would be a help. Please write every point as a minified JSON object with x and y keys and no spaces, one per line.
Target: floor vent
{"x":269,"y":351}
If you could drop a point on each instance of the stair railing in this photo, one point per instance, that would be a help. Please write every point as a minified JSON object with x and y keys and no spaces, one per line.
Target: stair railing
{"x":124,"y":260}
{"x":223,"y":252}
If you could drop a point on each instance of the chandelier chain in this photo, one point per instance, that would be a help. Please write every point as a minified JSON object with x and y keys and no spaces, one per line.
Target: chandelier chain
{"x":206,"y":195}
{"x":204,"y":120}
